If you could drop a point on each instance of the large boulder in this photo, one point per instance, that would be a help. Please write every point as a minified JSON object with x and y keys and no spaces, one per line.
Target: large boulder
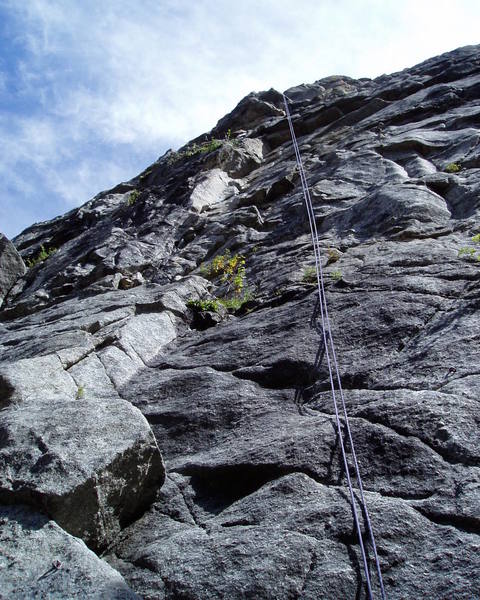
{"x":92,"y":465}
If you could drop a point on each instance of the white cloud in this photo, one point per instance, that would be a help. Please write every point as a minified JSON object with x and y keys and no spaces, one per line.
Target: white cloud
{"x":133,"y":78}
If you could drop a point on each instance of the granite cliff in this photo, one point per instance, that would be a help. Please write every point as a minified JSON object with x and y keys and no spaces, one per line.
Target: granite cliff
{"x":166,"y":424}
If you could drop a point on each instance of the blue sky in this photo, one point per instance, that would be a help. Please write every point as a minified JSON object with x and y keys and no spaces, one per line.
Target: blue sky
{"x":92,"y":91}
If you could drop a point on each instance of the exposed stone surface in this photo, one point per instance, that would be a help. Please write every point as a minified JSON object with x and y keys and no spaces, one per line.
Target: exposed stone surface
{"x":39,"y":560}
{"x":255,"y":503}
{"x":93,"y":465}
{"x":11,"y":266}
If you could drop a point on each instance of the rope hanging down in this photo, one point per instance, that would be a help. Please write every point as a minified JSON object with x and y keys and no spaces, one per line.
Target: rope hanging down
{"x":330,"y":349}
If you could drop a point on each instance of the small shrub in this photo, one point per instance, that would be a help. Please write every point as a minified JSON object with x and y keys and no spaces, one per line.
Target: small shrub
{"x":336,"y":275}
{"x":145,"y":174}
{"x":236,"y":302}
{"x":80,"y":392}
{"x":132,"y":198}
{"x":210,"y":146}
{"x":231,"y":270}
{"x":204,"y":148}
{"x":453,"y":168}
{"x":333,"y":255}
{"x":203,"y":305}
{"x":309,"y":275}
{"x":469,"y":251}
{"x":231,"y":140}
{"x":41,"y":256}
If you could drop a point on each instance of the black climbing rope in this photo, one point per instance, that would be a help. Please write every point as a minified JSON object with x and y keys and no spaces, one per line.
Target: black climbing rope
{"x":331,"y":357}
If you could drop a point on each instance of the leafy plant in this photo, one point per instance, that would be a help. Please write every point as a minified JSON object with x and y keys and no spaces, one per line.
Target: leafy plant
{"x":333,"y":255}
{"x":80,"y":392}
{"x":229,"y":139}
{"x":469,"y":251}
{"x":231,"y":304}
{"x":230,"y":269}
{"x":309,"y":275}
{"x":336,"y":275}
{"x":236,"y":302}
{"x":204,"y":148}
{"x":132,"y":198}
{"x":203,"y":305}
{"x":145,"y":174}
{"x":453,"y":168}
{"x":41,"y":256}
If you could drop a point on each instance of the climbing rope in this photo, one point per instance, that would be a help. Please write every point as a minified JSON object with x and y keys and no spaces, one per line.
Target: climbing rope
{"x":330,"y":348}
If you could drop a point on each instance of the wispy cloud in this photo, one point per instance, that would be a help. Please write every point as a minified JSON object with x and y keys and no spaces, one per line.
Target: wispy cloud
{"x":91,"y":92}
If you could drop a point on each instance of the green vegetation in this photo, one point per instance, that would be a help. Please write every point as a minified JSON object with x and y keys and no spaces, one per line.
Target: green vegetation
{"x":132,"y":198}
{"x":309,"y":275}
{"x":229,"y":139}
{"x":41,"y":256}
{"x":80,"y":392}
{"x":145,"y":174}
{"x":213,"y":305}
{"x":336,"y":275}
{"x":236,"y":302}
{"x":333,"y":255}
{"x":203,"y":305}
{"x":204,"y":148}
{"x":469,"y":251}
{"x":230,"y":270}
{"x":453,"y":168}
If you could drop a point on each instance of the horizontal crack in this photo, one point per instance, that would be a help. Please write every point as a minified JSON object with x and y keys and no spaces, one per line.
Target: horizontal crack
{"x":445,"y":456}
{"x":461,"y":523}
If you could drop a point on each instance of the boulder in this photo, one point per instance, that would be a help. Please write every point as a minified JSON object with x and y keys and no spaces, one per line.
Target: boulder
{"x":92,"y":464}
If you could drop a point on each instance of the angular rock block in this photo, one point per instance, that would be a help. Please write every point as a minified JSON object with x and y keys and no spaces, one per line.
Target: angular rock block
{"x":39,"y":560}
{"x":25,"y":379}
{"x":92,"y":465}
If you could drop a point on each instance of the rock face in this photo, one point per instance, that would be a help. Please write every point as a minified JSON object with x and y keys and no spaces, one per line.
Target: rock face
{"x":40,"y":560}
{"x":11,"y":266}
{"x":130,"y":318}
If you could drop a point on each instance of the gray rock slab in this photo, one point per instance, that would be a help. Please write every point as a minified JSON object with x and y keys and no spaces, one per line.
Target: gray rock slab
{"x":192,"y":410}
{"x":225,"y":554}
{"x":26,"y":379}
